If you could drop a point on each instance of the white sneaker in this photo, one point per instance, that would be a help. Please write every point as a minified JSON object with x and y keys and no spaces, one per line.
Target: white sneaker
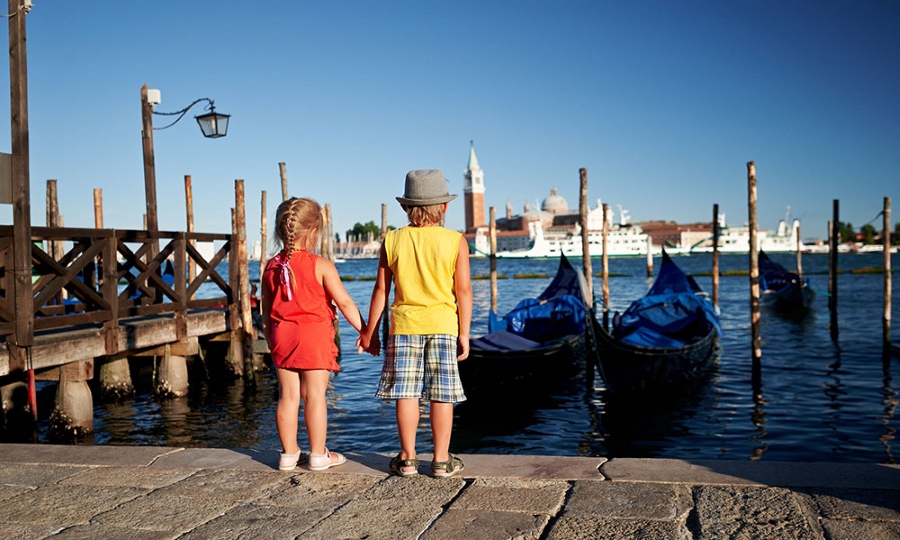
{"x":320,"y":462}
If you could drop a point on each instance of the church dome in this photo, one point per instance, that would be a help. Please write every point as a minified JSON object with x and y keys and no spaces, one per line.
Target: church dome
{"x":554,"y":203}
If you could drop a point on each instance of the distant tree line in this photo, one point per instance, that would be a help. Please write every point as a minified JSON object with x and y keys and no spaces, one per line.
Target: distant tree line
{"x":867,"y":234}
{"x":362,"y":231}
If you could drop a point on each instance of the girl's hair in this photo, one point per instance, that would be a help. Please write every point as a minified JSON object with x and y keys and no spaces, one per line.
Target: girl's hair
{"x":421,"y":216}
{"x":298,"y":219}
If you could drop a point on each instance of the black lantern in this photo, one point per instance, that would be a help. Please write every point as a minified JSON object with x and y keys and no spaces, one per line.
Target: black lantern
{"x":213,"y":124}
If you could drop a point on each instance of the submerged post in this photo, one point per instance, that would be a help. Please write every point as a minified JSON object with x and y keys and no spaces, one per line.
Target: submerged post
{"x":493,"y":234}
{"x":799,"y":252}
{"x":833,"y":236}
{"x":886,"y":243}
{"x":715,"y":255}
{"x":649,"y":256}
{"x":585,"y":244}
{"x":755,"y":339}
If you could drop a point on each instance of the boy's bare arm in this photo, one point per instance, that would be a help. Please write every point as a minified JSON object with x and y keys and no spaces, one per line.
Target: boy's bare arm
{"x":463,"y":282}
{"x":380,"y":294}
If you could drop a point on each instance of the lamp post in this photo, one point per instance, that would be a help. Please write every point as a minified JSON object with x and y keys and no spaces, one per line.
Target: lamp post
{"x":212,"y":124}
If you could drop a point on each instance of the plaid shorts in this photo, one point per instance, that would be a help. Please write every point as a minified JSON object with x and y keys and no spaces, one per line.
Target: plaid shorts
{"x":421,"y":367}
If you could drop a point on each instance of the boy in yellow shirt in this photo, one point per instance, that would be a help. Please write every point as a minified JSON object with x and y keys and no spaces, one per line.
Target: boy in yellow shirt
{"x":430,"y":319}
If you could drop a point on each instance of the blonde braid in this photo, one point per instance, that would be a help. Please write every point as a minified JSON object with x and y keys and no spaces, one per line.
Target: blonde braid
{"x":298,"y":219}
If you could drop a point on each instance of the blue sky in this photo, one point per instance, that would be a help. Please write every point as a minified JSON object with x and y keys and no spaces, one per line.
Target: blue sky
{"x":663,"y":102}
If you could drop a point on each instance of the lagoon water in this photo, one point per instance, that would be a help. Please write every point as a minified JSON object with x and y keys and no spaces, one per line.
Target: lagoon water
{"x":817,"y":399}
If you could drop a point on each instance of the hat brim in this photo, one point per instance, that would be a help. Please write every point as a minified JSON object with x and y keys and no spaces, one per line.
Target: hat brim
{"x":426,"y":202}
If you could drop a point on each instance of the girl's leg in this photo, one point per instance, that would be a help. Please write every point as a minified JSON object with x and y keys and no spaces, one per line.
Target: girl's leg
{"x":441,"y":414}
{"x":407,"y":424}
{"x":313,"y":384}
{"x":288,"y":409}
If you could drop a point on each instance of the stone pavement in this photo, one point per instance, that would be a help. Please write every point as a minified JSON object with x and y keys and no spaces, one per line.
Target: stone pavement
{"x":148,"y":493}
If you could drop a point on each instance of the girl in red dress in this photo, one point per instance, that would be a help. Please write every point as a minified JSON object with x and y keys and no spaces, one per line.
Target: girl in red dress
{"x":299,"y":294}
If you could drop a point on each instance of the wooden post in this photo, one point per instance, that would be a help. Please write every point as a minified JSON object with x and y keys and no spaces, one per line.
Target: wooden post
{"x":244,"y":281}
{"x":585,"y":244}
{"x":886,"y":243}
{"x":98,"y":208}
{"x":493,"y":233}
{"x":383,"y":222}
{"x":55,"y":247}
{"x":284,"y":186}
{"x":799,"y":253}
{"x":323,"y":236}
{"x":605,"y":267}
{"x":263,"y":237}
{"x":329,"y":231}
{"x":649,"y":256}
{"x":833,"y":234}
{"x":21,"y":195}
{"x":715,"y":255}
{"x":149,"y":169}
{"x":755,"y":338}
{"x":189,"y":211}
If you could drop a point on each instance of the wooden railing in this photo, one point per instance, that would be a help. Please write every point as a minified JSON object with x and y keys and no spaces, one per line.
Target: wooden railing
{"x":80,"y":287}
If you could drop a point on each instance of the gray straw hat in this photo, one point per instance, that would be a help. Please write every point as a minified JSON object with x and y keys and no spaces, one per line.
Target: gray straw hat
{"x":424,"y":188}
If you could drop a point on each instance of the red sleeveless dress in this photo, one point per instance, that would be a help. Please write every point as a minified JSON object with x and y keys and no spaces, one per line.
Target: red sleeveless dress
{"x":302,"y":327}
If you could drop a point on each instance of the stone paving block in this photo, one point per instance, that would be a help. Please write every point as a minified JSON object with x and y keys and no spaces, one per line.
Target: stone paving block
{"x":36,"y":475}
{"x":858,"y":530}
{"x":417,"y":490}
{"x":214,"y":458}
{"x":870,"y":504}
{"x":736,"y":512}
{"x":251,"y":522}
{"x":225,"y":484}
{"x":105,"y":532}
{"x":585,"y":527}
{"x":26,"y":530}
{"x":375,"y":520}
{"x":487,"y":525}
{"x":142,"y":477}
{"x":125,"y":456}
{"x":165,"y":512}
{"x":629,"y":500}
{"x":65,"y":505}
{"x":317,"y":491}
{"x":514,"y":495}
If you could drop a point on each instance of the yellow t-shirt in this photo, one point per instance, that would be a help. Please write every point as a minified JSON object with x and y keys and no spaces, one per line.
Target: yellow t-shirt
{"x":423,"y":260}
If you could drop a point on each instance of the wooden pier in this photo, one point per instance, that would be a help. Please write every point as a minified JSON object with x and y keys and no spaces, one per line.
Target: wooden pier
{"x":100,"y":296}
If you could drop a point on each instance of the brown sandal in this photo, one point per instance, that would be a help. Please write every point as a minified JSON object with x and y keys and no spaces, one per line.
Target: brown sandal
{"x":397,"y":465}
{"x":446,"y":469}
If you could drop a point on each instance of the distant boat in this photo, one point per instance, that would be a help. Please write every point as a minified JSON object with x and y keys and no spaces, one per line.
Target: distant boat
{"x":737,"y":240}
{"x":663,"y":341}
{"x":621,"y":241}
{"x":781,"y":289}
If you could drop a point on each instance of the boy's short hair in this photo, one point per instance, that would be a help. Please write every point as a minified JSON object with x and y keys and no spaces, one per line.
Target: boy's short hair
{"x":421,"y":216}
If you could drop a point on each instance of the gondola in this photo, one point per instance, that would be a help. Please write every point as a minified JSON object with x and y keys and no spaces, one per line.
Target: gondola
{"x":664,"y":341}
{"x":782,"y":290}
{"x":539,"y":338}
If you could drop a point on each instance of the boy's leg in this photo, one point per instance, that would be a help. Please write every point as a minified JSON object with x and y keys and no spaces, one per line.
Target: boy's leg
{"x":288,"y":409}
{"x":407,"y":424}
{"x":441,"y":415}
{"x":313,"y":384}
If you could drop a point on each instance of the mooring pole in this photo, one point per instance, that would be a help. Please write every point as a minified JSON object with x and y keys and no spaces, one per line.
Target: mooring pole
{"x":263,"y":238}
{"x":284,"y":186}
{"x":799,"y":253}
{"x":755,"y":338}
{"x":605,"y":260}
{"x":833,"y":268}
{"x":244,"y":282}
{"x":493,"y":234}
{"x":189,"y":216}
{"x":98,"y":208}
{"x":715,"y":255}
{"x":585,"y":244}
{"x":886,"y":243}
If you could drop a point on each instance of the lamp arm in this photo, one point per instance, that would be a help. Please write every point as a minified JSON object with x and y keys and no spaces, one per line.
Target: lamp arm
{"x":182,"y":112}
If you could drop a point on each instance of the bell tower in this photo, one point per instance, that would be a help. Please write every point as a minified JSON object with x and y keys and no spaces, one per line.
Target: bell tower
{"x":473,"y":191}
